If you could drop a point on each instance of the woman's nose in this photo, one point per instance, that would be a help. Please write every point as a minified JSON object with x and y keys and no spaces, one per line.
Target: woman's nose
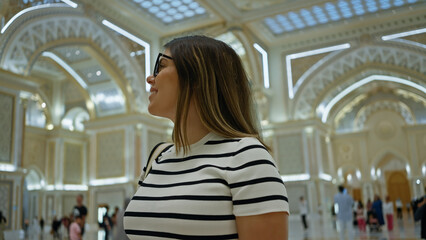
{"x":150,"y":79}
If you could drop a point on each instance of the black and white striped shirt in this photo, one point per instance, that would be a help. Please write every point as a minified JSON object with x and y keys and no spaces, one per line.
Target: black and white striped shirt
{"x":198,"y":196}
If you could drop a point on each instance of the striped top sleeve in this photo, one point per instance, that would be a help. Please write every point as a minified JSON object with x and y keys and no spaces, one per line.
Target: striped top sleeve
{"x":255,"y":184}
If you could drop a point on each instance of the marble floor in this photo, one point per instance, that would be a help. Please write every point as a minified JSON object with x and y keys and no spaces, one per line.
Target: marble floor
{"x":319,"y":229}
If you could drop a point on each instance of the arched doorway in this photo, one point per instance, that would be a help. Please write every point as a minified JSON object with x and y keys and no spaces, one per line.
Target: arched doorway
{"x":398,"y":187}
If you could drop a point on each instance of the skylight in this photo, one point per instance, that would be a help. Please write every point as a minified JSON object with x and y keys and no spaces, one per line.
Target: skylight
{"x":328,"y":12}
{"x":170,"y":11}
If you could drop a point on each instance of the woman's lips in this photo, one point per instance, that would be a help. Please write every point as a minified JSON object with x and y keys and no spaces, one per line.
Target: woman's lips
{"x":152,"y":92}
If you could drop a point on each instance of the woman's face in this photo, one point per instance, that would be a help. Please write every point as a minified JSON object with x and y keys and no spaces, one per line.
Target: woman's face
{"x":164,"y":89}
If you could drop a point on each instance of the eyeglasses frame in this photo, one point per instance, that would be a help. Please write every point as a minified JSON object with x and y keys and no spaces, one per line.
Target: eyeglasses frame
{"x":156,"y":66}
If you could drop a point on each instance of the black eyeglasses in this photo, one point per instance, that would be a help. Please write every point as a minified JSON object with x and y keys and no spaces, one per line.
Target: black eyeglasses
{"x":157,"y":63}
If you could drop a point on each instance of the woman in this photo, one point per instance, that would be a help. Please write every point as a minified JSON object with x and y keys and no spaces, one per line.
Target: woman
{"x":360,"y":217}
{"x":388,"y":211}
{"x":378,"y":209}
{"x":3,"y":223}
{"x":218,"y":181}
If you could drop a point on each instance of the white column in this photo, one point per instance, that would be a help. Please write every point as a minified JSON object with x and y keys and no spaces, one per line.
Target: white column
{"x":57,"y":103}
{"x":278,"y":90}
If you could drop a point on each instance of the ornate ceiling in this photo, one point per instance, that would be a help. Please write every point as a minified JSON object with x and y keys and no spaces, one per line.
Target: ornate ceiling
{"x":61,"y":44}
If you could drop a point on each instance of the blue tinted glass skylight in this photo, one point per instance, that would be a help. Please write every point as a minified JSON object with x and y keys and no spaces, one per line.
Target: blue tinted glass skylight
{"x":371,"y":6}
{"x":189,"y":13}
{"x":385,"y":4}
{"x":285,"y":23}
{"x":296,"y":20}
{"x":357,"y":6}
{"x":167,"y":19}
{"x":332,"y":12}
{"x":398,"y":3}
{"x":161,"y":14}
{"x":176,"y":3}
{"x":172,"y":11}
{"x":319,"y":14}
{"x":178,"y":16}
{"x":146,"y":4}
{"x":164,"y":6}
{"x":200,"y":10}
{"x":169,"y":11}
{"x":345,"y":9}
{"x":154,"y":9}
{"x":182,"y":8}
{"x":194,"y":5}
{"x":308,"y":17}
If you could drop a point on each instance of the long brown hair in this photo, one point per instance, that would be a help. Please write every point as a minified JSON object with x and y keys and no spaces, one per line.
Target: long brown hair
{"x":211,"y":72}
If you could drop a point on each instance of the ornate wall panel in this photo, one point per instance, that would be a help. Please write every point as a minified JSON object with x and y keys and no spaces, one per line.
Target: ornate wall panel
{"x":35,"y":151}
{"x":110,"y":154}
{"x":68,"y":203}
{"x":73,"y":163}
{"x":6,"y":199}
{"x":290,"y":154}
{"x":6,"y":125}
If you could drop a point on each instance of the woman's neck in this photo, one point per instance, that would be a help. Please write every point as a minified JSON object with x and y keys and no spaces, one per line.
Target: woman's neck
{"x":195,"y":129}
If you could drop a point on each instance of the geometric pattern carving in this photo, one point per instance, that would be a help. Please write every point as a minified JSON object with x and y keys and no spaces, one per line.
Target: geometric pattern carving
{"x":21,"y":43}
{"x":110,"y":154}
{"x":6,"y":125}
{"x":35,"y":152}
{"x":325,"y":76}
{"x":399,"y":107}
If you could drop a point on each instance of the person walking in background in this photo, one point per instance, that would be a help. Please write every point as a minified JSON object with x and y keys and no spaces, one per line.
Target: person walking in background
{"x":80,"y":210}
{"x":106,"y":223}
{"x":360,"y":217}
{"x":378,"y":210}
{"x":3,"y":223}
{"x":388,"y":211}
{"x":55,"y":228}
{"x":344,"y":204}
{"x":42,"y":227}
{"x":75,"y":228}
{"x":420,"y":215}
{"x":303,"y":208}
{"x":34,"y":229}
{"x":398,"y":204}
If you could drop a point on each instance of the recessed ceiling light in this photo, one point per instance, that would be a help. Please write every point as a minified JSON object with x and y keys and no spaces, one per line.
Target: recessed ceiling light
{"x":98,"y":73}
